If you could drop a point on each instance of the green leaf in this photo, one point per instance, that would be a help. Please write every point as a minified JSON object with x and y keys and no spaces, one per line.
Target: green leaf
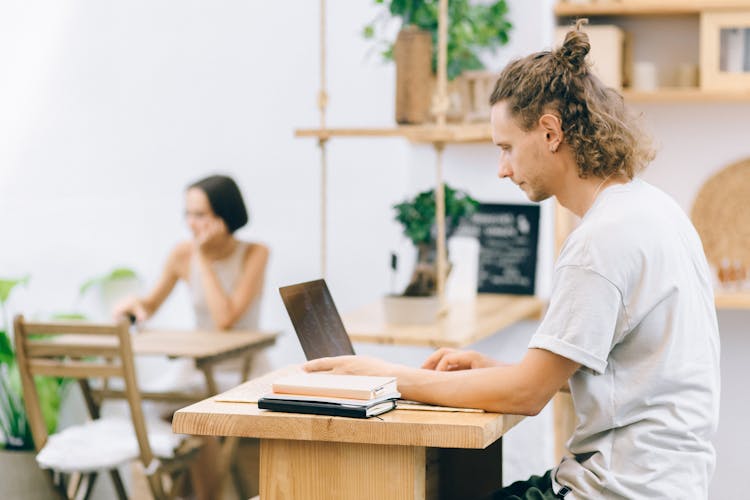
{"x":119,"y":273}
{"x":66,"y":316}
{"x":7,"y":285}
{"x":6,"y":350}
{"x":472,"y":28}
{"x":418,"y":214}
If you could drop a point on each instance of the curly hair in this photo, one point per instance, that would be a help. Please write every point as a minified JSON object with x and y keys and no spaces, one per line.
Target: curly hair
{"x":596,"y":125}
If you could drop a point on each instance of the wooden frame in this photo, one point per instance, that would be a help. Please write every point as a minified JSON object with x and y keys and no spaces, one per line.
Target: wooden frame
{"x":93,"y":351}
{"x":712,"y":77}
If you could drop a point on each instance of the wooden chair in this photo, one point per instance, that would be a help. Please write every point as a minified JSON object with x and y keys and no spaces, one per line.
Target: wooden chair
{"x":74,"y":457}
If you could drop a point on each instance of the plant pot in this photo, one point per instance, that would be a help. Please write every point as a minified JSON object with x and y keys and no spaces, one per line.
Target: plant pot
{"x":24,"y":478}
{"x":413,"y":55}
{"x":401,"y":310}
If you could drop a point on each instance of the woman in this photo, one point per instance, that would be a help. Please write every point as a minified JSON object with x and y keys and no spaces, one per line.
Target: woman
{"x":224,"y":275}
{"x":225,"y":279}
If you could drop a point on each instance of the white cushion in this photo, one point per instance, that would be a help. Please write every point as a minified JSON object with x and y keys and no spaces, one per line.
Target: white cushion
{"x":104,"y":444}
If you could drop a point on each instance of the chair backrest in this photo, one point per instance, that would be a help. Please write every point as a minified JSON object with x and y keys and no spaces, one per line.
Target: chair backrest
{"x":81,"y":351}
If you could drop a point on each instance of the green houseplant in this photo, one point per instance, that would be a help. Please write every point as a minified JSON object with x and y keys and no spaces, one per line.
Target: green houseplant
{"x":417,"y":216}
{"x":472,"y":27}
{"x":17,"y":457}
{"x":14,"y":427}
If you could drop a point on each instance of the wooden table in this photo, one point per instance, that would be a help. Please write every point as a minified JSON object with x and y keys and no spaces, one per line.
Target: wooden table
{"x":404,"y":454}
{"x":465,"y":322}
{"x":205,"y":348}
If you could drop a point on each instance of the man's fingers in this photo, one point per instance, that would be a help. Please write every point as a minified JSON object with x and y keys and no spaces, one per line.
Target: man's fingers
{"x":318,"y":365}
{"x":434,"y":359}
{"x":446,"y":363}
{"x":325,"y":364}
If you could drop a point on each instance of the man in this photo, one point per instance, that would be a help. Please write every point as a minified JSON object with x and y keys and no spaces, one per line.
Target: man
{"x":631,"y":323}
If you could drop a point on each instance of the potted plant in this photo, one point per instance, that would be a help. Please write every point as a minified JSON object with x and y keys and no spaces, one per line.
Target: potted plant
{"x":17,"y":455}
{"x":418,"y":303}
{"x":472,"y":27}
{"x":110,"y":288}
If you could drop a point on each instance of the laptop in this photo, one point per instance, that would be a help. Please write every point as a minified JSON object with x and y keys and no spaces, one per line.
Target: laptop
{"x":316,"y":320}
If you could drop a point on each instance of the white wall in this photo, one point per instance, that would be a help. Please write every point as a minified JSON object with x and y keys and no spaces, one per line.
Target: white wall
{"x":110,"y":108}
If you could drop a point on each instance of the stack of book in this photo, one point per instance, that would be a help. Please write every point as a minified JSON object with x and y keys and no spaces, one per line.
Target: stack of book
{"x":328,"y":394}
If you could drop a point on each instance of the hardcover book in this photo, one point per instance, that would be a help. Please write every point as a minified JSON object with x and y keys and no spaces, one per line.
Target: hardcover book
{"x":335,"y":386}
{"x":327,"y":408}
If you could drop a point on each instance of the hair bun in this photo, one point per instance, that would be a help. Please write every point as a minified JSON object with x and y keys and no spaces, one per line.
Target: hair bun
{"x":575,"y":48}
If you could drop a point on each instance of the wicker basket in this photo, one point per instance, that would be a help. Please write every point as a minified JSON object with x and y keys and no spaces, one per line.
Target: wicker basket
{"x":721,"y":214}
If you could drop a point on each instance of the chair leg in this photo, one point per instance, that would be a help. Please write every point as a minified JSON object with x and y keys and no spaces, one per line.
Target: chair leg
{"x":57,"y":486}
{"x":117,"y":483}
{"x":154,"y":481}
{"x":86,"y":486}
{"x":239,"y":486}
{"x":73,"y":484}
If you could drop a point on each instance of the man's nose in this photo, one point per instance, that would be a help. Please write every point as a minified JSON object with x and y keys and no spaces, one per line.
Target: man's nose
{"x":504,"y":169}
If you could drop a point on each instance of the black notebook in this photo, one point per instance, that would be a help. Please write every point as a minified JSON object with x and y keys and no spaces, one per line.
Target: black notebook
{"x":327,"y":408}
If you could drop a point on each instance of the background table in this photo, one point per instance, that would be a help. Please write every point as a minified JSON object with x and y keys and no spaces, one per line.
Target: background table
{"x":464,"y":323}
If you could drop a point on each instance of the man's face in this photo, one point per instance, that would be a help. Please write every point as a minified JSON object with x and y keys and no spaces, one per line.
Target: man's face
{"x":523,"y":154}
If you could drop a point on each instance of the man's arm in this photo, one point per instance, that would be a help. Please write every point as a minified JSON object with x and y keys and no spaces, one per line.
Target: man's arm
{"x":522,"y":388}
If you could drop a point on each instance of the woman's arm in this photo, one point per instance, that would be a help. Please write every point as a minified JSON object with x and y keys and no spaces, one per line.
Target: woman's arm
{"x":145,"y":307}
{"x":225,"y":308}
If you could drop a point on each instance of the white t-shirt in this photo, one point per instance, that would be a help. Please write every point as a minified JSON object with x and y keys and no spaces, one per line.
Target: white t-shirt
{"x":632,"y":302}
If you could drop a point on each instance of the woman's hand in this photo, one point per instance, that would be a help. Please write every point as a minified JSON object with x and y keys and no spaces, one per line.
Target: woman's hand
{"x":214,"y":229}
{"x":446,"y":359}
{"x":352,"y":365}
{"x":130,"y":307}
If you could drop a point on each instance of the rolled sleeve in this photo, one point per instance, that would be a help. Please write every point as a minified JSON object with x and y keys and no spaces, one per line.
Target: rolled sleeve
{"x":582,"y":319}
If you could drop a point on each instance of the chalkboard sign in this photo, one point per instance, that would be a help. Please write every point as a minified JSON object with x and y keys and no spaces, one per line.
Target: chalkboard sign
{"x":508,"y":239}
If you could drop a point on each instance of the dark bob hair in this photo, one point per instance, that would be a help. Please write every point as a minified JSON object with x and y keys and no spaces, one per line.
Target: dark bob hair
{"x":225,"y":199}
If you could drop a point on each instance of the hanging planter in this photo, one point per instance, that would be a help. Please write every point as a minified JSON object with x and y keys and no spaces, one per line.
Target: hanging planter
{"x":472,"y":28}
{"x":413,"y":55}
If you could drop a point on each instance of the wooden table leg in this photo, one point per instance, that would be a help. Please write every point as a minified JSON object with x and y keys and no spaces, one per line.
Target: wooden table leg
{"x":340,"y":471}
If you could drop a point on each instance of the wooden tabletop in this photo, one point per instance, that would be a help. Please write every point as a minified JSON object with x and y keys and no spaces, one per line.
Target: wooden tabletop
{"x":465,"y":323}
{"x":398,"y":427}
{"x":198,"y":344}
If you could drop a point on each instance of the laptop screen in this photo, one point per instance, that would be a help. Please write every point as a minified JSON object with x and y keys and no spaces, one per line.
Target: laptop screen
{"x":316,"y":320}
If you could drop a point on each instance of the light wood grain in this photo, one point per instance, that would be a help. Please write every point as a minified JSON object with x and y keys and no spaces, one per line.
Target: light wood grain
{"x":645,"y":7}
{"x":685,"y":95}
{"x":465,"y":322}
{"x":74,"y":369}
{"x":732,"y":300}
{"x":337,"y":471}
{"x":199,"y":344}
{"x":403,"y":427}
{"x":452,"y":133}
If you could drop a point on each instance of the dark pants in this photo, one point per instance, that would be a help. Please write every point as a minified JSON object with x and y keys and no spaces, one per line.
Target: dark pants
{"x":534,"y":488}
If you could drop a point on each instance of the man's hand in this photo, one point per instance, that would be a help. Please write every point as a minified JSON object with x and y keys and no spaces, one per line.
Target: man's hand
{"x":446,"y":359}
{"x":352,"y":365}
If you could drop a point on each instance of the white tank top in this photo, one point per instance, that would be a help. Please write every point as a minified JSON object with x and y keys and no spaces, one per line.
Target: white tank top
{"x":228,"y":271}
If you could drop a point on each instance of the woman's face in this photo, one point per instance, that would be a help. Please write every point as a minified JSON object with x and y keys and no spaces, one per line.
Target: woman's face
{"x":198,"y":212}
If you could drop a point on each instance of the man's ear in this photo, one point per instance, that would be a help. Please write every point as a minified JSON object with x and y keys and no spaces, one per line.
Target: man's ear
{"x":551,"y":127}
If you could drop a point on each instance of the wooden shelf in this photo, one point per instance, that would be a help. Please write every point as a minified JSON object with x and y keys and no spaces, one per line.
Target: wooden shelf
{"x":732,"y":300}
{"x":464,"y":324}
{"x":422,"y":134}
{"x":645,"y":7}
{"x":685,"y":94}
